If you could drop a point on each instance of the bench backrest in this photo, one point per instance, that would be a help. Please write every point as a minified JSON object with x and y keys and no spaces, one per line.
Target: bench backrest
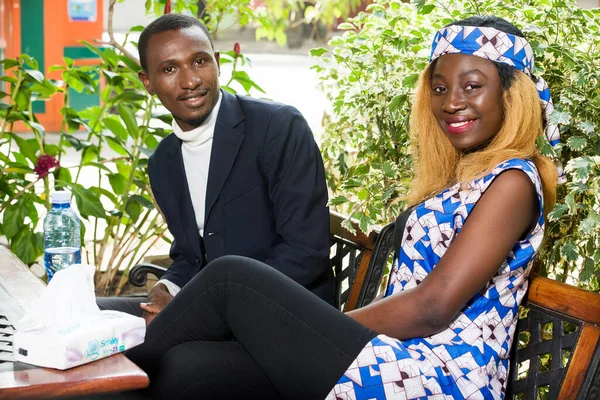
{"x":556,"y":349}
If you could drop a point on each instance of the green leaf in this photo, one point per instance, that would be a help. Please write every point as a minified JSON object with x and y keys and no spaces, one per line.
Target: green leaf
{"x":581,"y":167}
{"x":427,"y":9}
{"x":146,"y":151}
{"x":22,"y":98}
{"x":37,"y":127}
{"x":77,"y":143}
{"x":569,"y":251}
{"x":116,"y":145}
{"x":129,"y":97}
{"x":28,"y":148}
{"x":27,"y":245}
{"x":347,"y":223}
{"x":558,"y":211}
{"x":419,"y":4}
{"x":388,"y":169}
{"x":560,"y":117}
{"x":410,"y":81}
{"x":337,"y":200}
{"x":243,"y":79}
{"x":30,"y":61}
{"x":397,"y":102}
{"x":117,"y":182}
{"x":577,"y":143}
{"x":352,"y":183}
{"x":364,"y":223}
{"x":88,"y":203}
{"x":9,"y":63}
{"x":114,"y":124}
{"x":126,"y":112}
{"x":133,"y":209}
{"x":587,"y":270}
{"x":99,"y":166}
{"x":141,"y":200}
{"x":591,"y":223}
{"x":37,"y":75}
{"x":587,"y":127}
{"x":363,"y":194}
{"x":346,"y":26}
{"x":13,"y":219}
{"x":64,"y":175}
{"x":318,"y":52}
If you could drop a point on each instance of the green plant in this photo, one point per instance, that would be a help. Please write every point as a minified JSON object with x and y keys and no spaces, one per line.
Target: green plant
{"x":272,"y":18}
{"x":369,"y":75}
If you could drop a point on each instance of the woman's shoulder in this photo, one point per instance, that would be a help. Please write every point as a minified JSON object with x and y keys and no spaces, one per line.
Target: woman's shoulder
{"x":521,"y":164}
{"x":524,"y":164}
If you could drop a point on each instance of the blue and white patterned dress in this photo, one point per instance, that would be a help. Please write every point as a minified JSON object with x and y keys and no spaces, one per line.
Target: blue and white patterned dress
{"x":469,"y":359}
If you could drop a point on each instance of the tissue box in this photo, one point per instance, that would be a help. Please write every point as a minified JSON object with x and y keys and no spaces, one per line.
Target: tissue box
{"x":85,"y":339}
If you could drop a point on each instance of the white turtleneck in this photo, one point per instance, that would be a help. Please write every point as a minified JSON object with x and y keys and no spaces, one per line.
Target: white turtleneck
{"x":196,"y":148}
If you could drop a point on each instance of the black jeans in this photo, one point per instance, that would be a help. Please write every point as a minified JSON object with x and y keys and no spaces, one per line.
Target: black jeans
{"x":241,"y":329}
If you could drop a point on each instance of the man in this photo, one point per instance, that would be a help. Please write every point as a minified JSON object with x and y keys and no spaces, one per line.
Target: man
{"x":237,"y":175}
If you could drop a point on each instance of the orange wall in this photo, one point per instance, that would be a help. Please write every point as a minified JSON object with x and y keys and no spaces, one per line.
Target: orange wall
{"x":76,"y":31}
{"x":11,"y":18}
{"x":59,"y":33}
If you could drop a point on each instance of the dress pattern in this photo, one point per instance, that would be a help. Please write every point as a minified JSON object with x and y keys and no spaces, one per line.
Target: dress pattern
{"x":469,"y":359}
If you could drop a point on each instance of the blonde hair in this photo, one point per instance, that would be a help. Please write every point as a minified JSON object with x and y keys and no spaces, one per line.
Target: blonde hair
{"x":439,"y":165}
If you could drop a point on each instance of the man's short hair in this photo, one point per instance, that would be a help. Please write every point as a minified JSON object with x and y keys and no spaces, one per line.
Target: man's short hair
{"x":167,"y":22}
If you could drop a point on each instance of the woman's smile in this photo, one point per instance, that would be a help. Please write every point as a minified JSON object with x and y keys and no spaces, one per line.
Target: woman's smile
{"x":458,"y":127}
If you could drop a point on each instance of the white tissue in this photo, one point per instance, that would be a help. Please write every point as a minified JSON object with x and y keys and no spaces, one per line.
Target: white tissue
{"x":69,"y":295}
{"x":67,"y":328}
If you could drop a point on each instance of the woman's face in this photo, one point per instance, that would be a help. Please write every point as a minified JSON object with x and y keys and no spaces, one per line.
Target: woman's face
{"x":466,"y":100}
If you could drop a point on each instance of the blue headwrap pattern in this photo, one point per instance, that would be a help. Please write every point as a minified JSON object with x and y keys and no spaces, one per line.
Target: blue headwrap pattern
{"x":502,"y":47}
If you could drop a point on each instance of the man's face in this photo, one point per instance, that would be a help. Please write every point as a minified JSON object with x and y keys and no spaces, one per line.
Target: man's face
{"x":182,"y":69}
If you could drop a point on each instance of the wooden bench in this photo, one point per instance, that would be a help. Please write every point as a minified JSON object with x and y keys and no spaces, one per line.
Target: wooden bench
{"x":558,"y":323}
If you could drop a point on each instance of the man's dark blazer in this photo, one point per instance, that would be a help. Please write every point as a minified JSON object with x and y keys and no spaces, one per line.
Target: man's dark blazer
{"x":266,"y":196}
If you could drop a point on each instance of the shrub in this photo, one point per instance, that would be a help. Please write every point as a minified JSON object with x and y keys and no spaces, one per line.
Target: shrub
{"x":369,"y":75}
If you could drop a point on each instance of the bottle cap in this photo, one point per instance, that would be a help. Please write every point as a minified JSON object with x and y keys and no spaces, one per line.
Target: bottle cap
{"x":61,"y":197}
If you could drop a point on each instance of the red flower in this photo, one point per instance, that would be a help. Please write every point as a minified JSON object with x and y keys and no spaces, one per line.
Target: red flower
{"x":168,"y":7}
{"x":44,"y":164}
{"x":237,"y":49}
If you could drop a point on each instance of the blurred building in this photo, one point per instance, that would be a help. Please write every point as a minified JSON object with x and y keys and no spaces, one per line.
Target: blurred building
{"x":49,"y":30}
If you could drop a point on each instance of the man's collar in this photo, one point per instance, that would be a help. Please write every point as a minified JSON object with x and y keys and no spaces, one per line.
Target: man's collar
{"x":203,"y":132}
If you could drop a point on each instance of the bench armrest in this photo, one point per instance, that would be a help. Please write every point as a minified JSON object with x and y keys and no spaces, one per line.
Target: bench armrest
{"x":138,"y":273}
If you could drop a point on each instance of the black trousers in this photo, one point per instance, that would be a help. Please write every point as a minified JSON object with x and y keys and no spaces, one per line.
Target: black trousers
{"x":242,"y":330}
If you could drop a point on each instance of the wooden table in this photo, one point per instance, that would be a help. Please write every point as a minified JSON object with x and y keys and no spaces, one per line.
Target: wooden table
{"x":19,"y":289}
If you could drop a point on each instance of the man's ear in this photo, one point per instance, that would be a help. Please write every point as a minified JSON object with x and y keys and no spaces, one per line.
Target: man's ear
{"x":146,"y":81}
{"x":218,"y":58}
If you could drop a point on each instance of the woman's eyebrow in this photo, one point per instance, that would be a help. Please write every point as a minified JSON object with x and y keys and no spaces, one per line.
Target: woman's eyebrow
{"x":472,"y":72}
{"x":462,"y":74}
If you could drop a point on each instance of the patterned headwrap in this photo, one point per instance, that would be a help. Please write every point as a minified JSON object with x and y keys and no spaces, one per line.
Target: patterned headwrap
{"x":495,"y":45}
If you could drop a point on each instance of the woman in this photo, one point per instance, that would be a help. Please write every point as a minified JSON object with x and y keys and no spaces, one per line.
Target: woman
{"x":446,"y":323}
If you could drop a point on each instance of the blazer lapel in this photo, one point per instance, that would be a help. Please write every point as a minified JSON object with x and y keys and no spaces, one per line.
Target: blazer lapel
{"x":227,"y":139}
{"x":177,"y":180}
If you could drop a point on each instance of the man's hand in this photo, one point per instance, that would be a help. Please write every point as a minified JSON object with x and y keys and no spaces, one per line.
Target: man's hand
{"x":158,"y":298}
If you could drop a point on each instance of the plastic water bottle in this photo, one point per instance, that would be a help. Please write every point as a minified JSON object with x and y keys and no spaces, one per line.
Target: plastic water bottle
{"x":62,"y":235}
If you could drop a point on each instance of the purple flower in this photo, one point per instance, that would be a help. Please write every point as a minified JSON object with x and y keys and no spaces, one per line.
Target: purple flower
{"x":44,"y":164}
